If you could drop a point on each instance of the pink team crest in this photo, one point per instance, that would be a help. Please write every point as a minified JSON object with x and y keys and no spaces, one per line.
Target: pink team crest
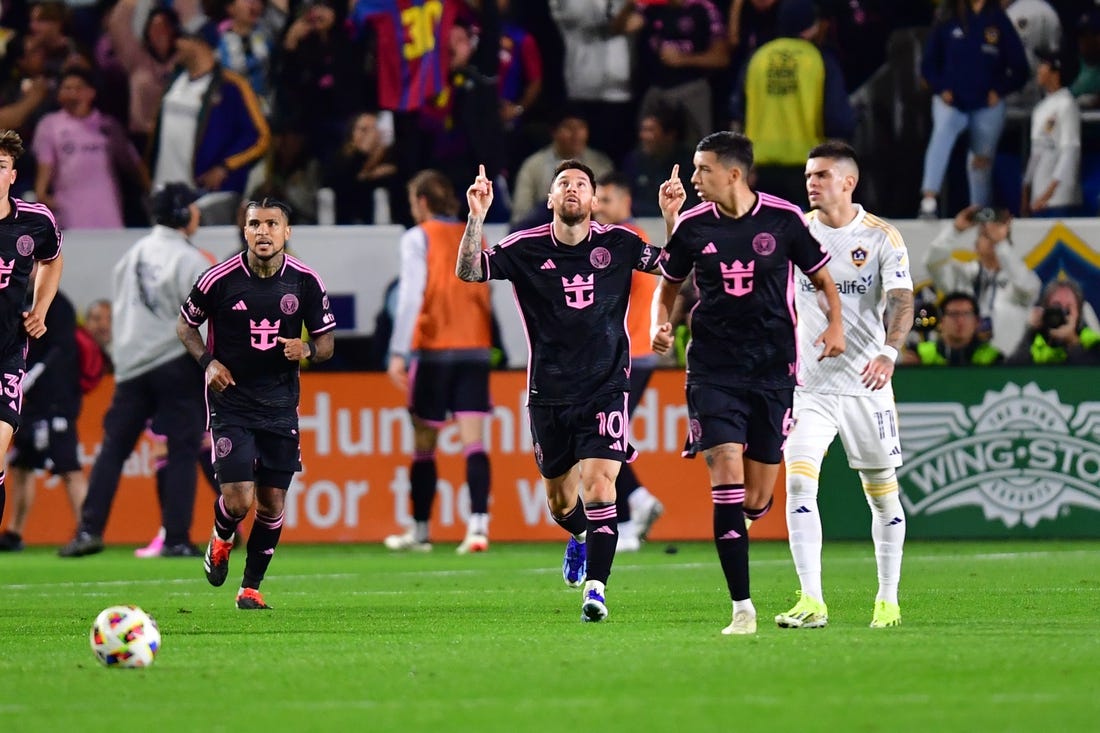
{"x":763,"y":243}
{"x":696,"y":429}
{"x":25,"y":244}
{"x":600,"y":258}
{"x":538,"y":453}
{"x":289,"y":303}
{"x":223,"y":447}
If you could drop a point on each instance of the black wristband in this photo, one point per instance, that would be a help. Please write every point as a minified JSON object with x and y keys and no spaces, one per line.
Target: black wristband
{"x":205,"y":359}
{"x":311,"y":349}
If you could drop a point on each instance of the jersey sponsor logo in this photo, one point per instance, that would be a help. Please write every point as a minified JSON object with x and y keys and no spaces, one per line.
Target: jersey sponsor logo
{"x":1021,"y":456}
{"x":5,"y":272}
{"x":855,"y":287}
{"x":600,"y":258}
{"x":223,"y":447}
{"x":25,"y":244}
{"x":859,"y":257}
{"x":289,"y":303}
{"x":580,"y":292}
{"x":763,"y":244}
{"x":193,"y":310}
{"x":737,"y":277}
{"x":264,"y":334}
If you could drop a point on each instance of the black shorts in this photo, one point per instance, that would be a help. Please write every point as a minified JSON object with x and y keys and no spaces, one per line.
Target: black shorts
{"x":439,"y":390}
{"x":47,"y":443}
{"x":243,"y":454}
{"x":564,"y":434}
{"x":12,"y":369}
{"x":757,"y":419}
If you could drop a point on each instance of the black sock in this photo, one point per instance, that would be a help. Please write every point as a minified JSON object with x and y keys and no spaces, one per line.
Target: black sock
{"x":225,"y":524}
{"x":574,"y":522}
{"x":625,"y":485}
{"x":477,"y":479}
{"x":603,"y":535}
{"x":755,"y":514}
{"x":730,"y":537}
{"x":422,"y":480}
{"x":262,"y":541}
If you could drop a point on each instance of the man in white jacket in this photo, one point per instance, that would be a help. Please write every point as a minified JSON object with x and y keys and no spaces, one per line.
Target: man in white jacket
{"x":998,"y":278}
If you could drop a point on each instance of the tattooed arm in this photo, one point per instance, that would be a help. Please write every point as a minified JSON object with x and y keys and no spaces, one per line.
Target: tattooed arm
{"x":899,"y":306}
{"x":479,"y":197}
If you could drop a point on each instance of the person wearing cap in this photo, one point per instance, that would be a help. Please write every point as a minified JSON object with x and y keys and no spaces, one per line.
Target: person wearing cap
{"x":154,"y":376}
{"x":211,"y":128}
{"x":1052,"y":181}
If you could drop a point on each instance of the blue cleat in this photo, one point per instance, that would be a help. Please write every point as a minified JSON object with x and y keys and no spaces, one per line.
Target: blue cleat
{"x":574,"y":567}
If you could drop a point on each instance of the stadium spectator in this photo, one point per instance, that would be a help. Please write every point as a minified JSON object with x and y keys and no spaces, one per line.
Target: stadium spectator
{"x":28,"y":234}
{"x":1052,"y":180}
{"x":998,"y":278}
{"x":569,"y":141}
{"x":210,"y":129}
{"x":440,"y":357}
{"x":147,"y":58}
{"x":579,"y":361}
{"x":254,"y":425}
{"x":680,"y":45}
{"x":1056,"y":332}
{"x":154,"y":376}
{"x":97,"y":322}
{"x":958,"y":342}
{"x":83,"y":157}
{"x":790,"y":99}
{"x":1039,"y":27}
{"x":636,"y":506}
{"x":246,"y":47}
{"x":660,"y":146}
{"x":1086,"y":86}
{"x":742,"y":246}
{"x":364,"y":165}
{"x":521,"y":84}
{"x":51,"y":404}
{"x":49,"y":30}
{"x":25,"y":97}
{"x":597,"y":69}
{"x":858,"y":32}
{"x":750,"y":24}
{"x":973,"y":58}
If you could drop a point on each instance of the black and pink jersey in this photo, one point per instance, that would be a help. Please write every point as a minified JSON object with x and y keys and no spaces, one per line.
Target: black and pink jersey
{"x":743,"y":327}
{"x":28,"y":233}
{"x":246,"y":315}
{"x":573,"y":303}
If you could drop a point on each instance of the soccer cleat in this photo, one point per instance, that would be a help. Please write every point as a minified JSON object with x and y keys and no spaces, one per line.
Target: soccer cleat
{"x":594,"y":608}
{"x":627,"y":542}
{"x":574,"y":568}
{"x":808,"y":613}
{"x":11,"y":542}
{"x":647,"y":511}
{"x":886,"y":614}
{"x":216,"y":560}
{"x":183,"y":549}
{"x":83,"y":544}
{"x":473,"y":543}
{"x":250,"y":599}
{"x":153,"y":548}
{"x":407,"y":541}
{"x":743,"y":624}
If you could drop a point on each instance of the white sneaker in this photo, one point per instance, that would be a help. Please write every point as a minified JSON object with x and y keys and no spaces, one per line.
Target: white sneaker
{"x":743,"y":624}
{"x":928,"y":208}
{"x":644,"y":511}
{"x":628,"y":542}
{"x":407,"y":541}
{"x":473,"y":543}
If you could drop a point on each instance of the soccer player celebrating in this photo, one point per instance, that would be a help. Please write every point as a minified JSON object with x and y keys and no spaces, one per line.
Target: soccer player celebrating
{"x":851,"y":394}
{"x":28,"y":233}
{"x":256,"y":303}
{"x":743,"y":246}
{"x":572,"y":283}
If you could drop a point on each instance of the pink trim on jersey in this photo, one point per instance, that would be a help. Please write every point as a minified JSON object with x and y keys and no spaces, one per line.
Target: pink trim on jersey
{"x":300,"y":266}
{"x":540,"y":231}
{"x":703,"y":208}
{"x":766,"y":199}
{"x":36,"y":208}
{"x":605,"y":228}
{"x":824,"y":261}
{"x":217,"y":272}
{"x":794,"y":318}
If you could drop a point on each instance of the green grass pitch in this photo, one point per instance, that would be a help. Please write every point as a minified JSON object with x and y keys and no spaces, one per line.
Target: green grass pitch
{"x":996,"y":636}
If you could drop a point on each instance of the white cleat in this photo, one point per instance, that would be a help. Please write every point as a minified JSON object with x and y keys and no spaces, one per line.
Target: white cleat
{"x":405,"y":543}
{"x":473,"y":543}
{"x":645,"y":512}
{"x":743,"y":624}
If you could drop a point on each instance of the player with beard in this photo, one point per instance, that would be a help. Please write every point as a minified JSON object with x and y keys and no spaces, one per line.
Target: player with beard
{"x":256,"y":303}
{"x":743,"y":246}
{"x":571,"y":280}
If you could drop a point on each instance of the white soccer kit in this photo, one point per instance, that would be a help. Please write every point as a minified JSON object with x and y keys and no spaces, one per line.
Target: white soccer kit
{"x":868,"y":259}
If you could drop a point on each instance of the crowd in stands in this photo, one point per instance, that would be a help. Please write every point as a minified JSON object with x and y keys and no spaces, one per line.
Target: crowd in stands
{"x":355,"y":96}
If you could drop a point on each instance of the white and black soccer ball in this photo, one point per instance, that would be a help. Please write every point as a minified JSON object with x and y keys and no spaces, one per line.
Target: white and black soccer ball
{"x":125,"y":636}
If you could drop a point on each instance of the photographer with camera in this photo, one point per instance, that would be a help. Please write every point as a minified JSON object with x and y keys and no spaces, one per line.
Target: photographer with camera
{"x":1056,"y":333}
{"x":998,"y":278}
{"x":957,"y":342}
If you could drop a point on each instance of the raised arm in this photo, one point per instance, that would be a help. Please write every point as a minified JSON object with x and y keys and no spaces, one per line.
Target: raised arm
{"x":479,"y":197}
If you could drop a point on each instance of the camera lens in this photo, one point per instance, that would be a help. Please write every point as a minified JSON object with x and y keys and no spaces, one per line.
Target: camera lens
{"x":1054,"y":317}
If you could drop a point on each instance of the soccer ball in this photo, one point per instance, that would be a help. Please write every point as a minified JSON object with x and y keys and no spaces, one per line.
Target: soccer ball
{"x":125,"y":636}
